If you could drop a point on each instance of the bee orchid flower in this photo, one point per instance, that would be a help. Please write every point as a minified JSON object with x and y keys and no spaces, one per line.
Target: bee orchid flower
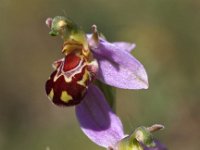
{"x":90,"y":57}
{"x":87,"y":58}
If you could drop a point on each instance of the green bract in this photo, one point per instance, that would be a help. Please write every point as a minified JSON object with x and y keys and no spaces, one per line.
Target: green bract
{"x":135,"y":140}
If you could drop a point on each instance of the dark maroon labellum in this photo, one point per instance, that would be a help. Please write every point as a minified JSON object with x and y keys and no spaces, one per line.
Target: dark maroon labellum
{"x":68,"y":84}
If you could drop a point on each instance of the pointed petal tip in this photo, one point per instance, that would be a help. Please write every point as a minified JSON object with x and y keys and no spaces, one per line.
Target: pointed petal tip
{"x":146,"y":86}
{"x":142,"y":77}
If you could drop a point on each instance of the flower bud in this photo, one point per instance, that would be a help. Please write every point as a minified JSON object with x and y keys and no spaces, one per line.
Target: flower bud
{"x":140,"y":139}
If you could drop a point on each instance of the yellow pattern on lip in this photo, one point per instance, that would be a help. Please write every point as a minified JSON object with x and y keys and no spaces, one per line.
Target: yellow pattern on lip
{"x":51,"y":94}
{"x":65,"y":97}
{"x":84,"y":79}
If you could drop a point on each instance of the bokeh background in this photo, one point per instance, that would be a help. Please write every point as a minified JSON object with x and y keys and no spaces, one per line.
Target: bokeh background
{"x":167,"y":34}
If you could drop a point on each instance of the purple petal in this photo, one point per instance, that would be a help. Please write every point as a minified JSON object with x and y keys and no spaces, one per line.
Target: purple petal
{"x":121,"y":45}
{"x":97,"y":120}
{"x":125,"y":46}
{"x":119,"y":68}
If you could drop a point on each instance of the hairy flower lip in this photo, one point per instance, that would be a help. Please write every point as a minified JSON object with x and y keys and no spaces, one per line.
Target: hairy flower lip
{"x":68,"y":84}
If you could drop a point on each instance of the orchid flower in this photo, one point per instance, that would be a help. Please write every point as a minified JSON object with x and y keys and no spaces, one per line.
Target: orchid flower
{"x":87,"y":58}
{"x":102,"y":126}
{"x":90,"y":57}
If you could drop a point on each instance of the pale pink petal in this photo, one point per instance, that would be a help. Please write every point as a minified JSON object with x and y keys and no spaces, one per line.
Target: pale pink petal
{"x":97,"y":120}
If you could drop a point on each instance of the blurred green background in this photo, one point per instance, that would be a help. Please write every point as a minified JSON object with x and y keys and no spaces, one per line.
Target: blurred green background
{"x":167,"y":34}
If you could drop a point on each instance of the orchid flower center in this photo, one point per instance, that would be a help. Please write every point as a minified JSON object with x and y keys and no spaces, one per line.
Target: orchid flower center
{"x":69,"y":82}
